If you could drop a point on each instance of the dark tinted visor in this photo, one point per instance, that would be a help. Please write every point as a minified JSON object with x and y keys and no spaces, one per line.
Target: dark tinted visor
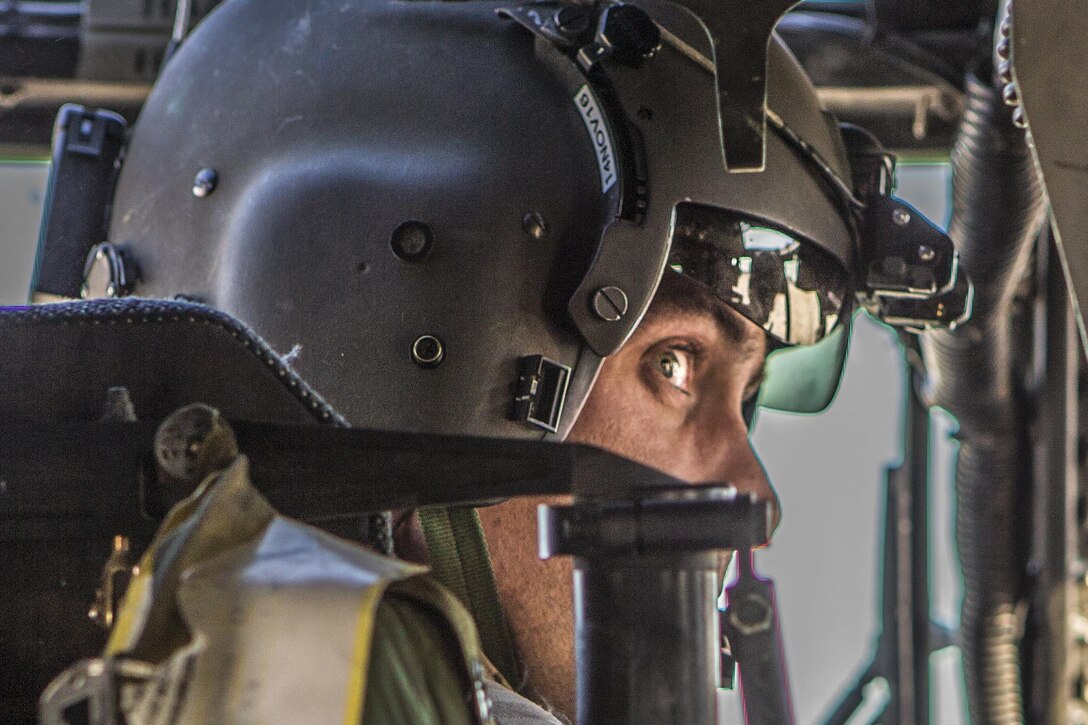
{"x":791,"y":288}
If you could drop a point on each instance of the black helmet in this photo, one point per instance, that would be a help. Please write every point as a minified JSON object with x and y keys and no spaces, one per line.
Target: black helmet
{"x":451,"y":214}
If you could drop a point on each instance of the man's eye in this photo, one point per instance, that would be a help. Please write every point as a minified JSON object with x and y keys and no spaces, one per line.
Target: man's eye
{"x":675,"y":365}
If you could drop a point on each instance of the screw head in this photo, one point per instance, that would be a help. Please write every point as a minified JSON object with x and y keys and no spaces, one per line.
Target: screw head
{"x":204,"y":182}
{"x":610,"y":304}
{"x":926,"y":254}
{"x":412,"y":241}
{"x":535,"y":225}
{"x":901,"y":217}
{"x":428,"y":351}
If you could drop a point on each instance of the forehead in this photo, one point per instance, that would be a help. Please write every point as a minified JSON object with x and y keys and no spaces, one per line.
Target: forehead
{"x":679,"y":300}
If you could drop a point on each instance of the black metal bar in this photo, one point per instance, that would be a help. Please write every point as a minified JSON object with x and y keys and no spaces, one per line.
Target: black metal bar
{"x":752,"y":626}
{"x":646,"y":636}
{"x":647,"y":641}
{"x":916,"y":458}
{"x":1047,"y":678}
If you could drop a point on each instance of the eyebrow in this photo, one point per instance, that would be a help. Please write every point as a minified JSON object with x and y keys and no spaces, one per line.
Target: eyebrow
{"x":731,"y":324}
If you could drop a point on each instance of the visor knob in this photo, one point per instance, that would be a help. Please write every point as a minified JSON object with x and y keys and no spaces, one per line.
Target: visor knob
{"x":610,"y":304}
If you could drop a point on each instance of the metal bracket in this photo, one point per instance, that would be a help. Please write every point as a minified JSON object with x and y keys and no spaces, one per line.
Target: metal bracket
{"x":739,"y":33}
{"x":541,"y":391}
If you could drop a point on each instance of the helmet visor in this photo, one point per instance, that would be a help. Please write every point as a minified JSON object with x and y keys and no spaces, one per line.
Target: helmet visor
{"x":791,"y":288}
{"x":804,"y":379}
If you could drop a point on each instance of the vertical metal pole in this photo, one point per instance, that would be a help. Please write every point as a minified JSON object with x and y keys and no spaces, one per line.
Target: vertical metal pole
{"x":906,"y":589}
{"x":1054,"y":503}
{"x":647,"y":642}
{"x":917,"y":453}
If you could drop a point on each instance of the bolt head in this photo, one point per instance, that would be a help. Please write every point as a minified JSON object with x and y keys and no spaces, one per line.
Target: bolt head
{"x":901,"y":217}
{"x":752,"y":614}
{"x":610,"y":304}
{"x":204,"y":182}
{"x":926,"y":254}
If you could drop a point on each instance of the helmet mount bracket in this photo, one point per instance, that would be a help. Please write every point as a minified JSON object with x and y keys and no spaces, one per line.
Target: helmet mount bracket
{"x":911,"y":277}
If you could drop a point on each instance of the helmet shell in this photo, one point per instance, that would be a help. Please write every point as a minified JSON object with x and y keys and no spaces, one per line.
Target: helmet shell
{"x":330,"y":124}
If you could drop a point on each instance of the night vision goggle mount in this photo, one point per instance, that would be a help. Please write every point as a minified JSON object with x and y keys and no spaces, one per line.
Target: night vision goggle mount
{"x":911,"y":273}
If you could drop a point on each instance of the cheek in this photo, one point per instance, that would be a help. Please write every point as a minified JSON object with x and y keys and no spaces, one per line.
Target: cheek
{"x":626,"y":420}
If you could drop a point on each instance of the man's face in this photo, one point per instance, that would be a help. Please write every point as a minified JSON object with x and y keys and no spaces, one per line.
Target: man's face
{"x":671,"y":398}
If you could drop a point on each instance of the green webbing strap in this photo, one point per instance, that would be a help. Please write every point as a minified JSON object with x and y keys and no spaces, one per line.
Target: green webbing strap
{"x":460,"y":561}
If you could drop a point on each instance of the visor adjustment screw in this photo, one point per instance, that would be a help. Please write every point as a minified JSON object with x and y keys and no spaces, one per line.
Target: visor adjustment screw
{"x":901,"y":217}
{"x":535,"y":225}
{"x":926,"y":254}
{"x":412,"y":241}
{"x":204,"y":183}
{"x":610,"y":304}
{"x":428,"y":351}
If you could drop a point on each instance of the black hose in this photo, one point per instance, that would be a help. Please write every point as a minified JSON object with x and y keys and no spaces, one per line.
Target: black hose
{"x":998,"y":210}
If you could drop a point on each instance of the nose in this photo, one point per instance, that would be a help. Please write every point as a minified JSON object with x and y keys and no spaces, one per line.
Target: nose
{"x":727,"y":456}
